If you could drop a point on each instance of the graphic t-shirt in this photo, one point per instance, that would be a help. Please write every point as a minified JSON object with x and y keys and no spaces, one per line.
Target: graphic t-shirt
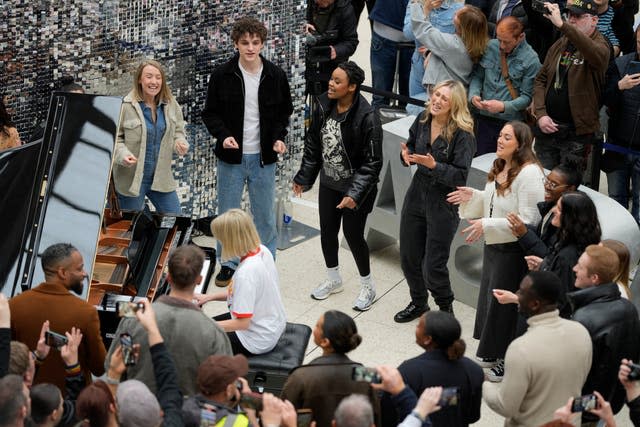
{"x":557,"y":101}
{"x":336,"y":166}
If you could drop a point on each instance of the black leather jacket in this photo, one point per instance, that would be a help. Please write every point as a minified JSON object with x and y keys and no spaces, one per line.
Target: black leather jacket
{"x":614,"y":328}
{"x":362,"y":138}
{"x":223,"y":112}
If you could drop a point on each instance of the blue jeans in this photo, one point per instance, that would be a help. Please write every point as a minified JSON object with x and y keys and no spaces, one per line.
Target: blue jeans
{"x":261,"y":181}
{"x":383,"y":67}
{"x":416,"y":90}
{"x":165,"y":203}
{"x":618,"y":182}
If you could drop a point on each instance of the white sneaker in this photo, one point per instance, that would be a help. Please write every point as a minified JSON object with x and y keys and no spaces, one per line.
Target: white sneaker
{"x":365,"y":298}
{"x":496,"y":373}
{"x":327,"y":288}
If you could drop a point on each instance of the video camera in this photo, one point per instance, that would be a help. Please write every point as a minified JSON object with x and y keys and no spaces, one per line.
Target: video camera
{"x":318,"y":45}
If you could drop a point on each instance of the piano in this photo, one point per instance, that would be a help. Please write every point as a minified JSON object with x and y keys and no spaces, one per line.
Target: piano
{"x":55,"y":190}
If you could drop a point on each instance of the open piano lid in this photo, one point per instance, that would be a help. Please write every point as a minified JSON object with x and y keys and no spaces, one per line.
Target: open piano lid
{"x":54,"y":190}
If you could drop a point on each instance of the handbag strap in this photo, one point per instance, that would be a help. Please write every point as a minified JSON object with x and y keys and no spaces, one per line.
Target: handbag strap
{"x":505,"y":75}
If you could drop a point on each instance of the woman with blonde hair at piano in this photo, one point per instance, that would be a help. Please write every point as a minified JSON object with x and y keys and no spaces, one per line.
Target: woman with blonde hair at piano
{"x":151,"y":130}
{"x":256,"y":317}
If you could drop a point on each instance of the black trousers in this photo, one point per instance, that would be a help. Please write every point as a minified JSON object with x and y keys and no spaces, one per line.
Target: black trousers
{"x":353,"y":222}
{"x":236,"y":345}
{"x":427,"y":227}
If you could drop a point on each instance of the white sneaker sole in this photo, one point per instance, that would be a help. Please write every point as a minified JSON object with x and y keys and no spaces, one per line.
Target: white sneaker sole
{"x":355,"y":307}
{"x":486,"y":365}
{"x":334,"y":291}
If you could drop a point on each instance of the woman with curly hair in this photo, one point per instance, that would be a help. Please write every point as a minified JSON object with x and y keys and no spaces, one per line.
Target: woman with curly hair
{"x":321,"y":384}
{"x":442,"y":144}
{"x":515,"y":184}
{"x":576,"y":220}
{"x":9,"y":137}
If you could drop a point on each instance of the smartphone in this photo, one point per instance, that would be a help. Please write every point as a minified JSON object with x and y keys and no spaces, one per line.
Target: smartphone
{"x":55,"y":340}
{"x":450,"y":397}
{"x":634,"y":375}
{"x":305,"y":416}
{"x":584,"y":403}
{"x":633,"y":68}
{"x":251,"y":401}
{"x":128,"y":309}
{"x":128,"y":356}
{"x":538,"y":6}
{"x":369,"y":375}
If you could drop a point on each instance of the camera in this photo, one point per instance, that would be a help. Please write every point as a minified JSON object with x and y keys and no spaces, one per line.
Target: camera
{"x":251,"y":401}
{"x":369,"y":375}
{"x":128,"y":309}
{"x":314,"y":38}
{"x":128,"y":356}
{"x":538,"y":6}
{"x":55,"y":340}
{"x":634,"y":375}
{"x":304,"y":417}
{"x":450,"y":397}
{"x":584,"y":403}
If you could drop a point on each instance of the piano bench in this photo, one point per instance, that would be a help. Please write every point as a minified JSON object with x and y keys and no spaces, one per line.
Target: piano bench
{"x":268,"y":372}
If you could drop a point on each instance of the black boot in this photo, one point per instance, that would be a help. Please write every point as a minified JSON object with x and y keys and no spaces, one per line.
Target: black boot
{"x":448,"y":308}
{"x":411,"y":312}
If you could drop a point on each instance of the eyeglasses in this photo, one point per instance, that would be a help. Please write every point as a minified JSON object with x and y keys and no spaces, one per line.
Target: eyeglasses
{"x":552,"y":185}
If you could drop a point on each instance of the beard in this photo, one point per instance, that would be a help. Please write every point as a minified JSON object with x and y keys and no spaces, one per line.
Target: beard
{"x":78,"y":287}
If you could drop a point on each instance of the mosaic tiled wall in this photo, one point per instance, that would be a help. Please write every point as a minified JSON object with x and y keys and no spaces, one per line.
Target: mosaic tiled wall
{"x":100,"y":42}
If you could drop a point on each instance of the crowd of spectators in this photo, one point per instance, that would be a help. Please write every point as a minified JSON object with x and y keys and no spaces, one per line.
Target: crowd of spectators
{"x":573,"y":331}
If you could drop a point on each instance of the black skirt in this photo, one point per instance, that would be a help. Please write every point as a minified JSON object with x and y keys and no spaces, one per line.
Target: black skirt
{"x":497,"y":324}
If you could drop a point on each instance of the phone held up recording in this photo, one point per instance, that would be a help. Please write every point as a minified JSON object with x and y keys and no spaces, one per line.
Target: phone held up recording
{"x":55,"y":340}
{"x":584,"y":403}
{"x":128,"y":309}
{"x":128,"y":355}
{"x":369,"y":375}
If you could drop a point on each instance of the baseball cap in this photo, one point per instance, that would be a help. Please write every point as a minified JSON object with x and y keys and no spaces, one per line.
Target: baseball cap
{"x":137,"y":406}
{"x":580,"y":7}
{"x":218,"y":371}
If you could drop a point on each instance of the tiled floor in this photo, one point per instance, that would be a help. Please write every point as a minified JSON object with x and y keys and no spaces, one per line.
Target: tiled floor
{"x":301,"y":268}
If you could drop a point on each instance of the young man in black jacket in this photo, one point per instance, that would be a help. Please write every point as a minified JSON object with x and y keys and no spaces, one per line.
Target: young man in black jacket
{"x":610,"y":319}
{"x":247,"y":112}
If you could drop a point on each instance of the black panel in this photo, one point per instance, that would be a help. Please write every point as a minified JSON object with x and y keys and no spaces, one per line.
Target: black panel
{"x":67,"y":194}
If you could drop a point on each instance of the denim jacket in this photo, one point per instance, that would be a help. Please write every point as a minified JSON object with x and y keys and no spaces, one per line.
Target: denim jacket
{"x":441,"y":18}
{"x":487,"y":81}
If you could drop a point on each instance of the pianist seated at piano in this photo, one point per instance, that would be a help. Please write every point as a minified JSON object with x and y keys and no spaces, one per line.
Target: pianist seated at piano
{"x":151,"y":130}
{"x":256,"y":317}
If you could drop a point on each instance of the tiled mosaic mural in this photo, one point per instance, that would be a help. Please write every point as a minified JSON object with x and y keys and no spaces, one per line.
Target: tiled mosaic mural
{"x":100,"y":42}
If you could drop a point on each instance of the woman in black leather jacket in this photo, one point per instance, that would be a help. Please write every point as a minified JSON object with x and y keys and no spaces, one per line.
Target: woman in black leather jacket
{"x":344,"y":146}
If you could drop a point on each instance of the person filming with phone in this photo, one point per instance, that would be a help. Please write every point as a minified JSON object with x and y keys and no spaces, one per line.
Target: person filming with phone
{"x":176,"y":314}
{"x":567,"y":89}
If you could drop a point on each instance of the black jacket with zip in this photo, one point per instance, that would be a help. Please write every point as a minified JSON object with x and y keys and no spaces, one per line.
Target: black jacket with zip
{"x":362,"y":138}
{"x":223,"y":112}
